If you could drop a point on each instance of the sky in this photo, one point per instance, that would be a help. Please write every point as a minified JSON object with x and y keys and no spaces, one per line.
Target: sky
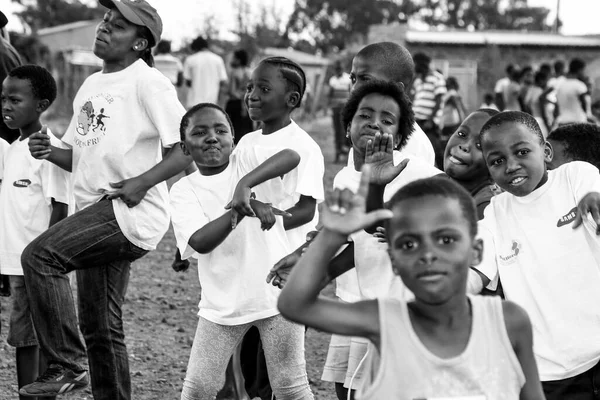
{"x":184,"y":19}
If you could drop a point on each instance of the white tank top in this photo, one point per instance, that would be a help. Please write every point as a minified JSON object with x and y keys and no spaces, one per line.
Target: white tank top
{"x":487,"y":369}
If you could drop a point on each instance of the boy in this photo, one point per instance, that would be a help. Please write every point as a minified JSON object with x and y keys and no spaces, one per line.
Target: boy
{"x":575,"y":142}
{"x":545,"y":265}
{"x":441,"y":344}
{"x":33,"y":197}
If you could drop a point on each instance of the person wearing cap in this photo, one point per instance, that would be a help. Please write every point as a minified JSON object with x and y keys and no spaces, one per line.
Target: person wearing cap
{"x":121,"y":203}
{"x":9,"y":59}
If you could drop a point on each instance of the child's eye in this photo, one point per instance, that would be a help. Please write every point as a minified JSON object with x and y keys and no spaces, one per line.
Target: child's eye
{"x":222,"y":131}
{"x":249,"y":88}
{"x":388,"y":122}
{"x":478,"y":145}
{"x":265,"y":89}
{"x":447,"y":240}
{"x":461,"y":134}
{"x":364,"y":116}
{"x":353,"y":78}
{"x":523,"y":152}
{"x":408,"y":245}
{"x":497,"y":162}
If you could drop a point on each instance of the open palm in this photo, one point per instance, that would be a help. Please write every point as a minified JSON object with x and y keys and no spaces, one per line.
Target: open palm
{"x":379,"y":155}
{"x":345,"y":212}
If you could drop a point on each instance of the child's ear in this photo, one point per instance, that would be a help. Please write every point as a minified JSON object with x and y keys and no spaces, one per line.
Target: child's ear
{"x":348,"y":131}
{"x":401,"y":84}
{"x":43,"y":105}
{"x":293,"y":99}
{"x":477,"y":250}
{"x":548,"y":152}
{"x":184,"y":148}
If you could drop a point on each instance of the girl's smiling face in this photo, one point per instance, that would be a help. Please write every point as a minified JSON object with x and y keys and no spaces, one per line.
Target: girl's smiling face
{"x":267,"y":96}
{"x":463,"y":158}
{"x":375,"y":113}
{"x":209,"y":140}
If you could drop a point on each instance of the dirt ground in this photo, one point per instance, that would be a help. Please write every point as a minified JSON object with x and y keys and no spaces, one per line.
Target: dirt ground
{"x":160,"y":315}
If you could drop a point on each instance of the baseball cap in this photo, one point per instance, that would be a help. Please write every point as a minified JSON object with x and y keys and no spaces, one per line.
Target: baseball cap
{"x":3,"y":20}
{"x":138,"y":12}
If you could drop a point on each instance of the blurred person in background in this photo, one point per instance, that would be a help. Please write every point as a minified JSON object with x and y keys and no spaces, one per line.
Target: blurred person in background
{"x":167,"y":63}
{"x":339,"y":91}
{"x":235,"y":107}
{"x":453,"y":111}
{"x":205,"y":75}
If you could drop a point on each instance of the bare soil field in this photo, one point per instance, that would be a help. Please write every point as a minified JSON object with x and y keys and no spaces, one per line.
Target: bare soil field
{"x":160,"y":315}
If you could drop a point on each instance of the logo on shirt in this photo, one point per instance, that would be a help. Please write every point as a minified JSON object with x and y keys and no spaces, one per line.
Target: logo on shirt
{"x":512,"y":255}
{"x":91,"y":121}
{"x":22,"y":183}
{"x":567,"y":218}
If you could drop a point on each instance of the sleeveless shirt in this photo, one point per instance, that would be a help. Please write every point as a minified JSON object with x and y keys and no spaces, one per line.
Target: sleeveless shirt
{"x":487,"y":369}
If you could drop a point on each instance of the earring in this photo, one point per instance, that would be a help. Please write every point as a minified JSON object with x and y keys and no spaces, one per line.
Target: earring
{"x":136,"y":47}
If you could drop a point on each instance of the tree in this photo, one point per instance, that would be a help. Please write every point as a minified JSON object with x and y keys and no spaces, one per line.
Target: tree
{"x":330,"y":23}
{"x":39,"y":14}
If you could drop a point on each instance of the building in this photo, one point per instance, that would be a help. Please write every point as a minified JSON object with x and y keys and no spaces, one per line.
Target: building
{"x":477,"y":59}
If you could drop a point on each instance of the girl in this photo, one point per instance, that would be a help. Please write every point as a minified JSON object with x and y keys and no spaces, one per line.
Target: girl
{"x":121,"y":205}
{"x":463,"y":159}
{"x":443,"y":343}
{"x":232,"y":263}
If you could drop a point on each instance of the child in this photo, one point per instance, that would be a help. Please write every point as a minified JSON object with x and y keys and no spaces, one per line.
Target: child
{"x":443,"y":343}
{"x":34,"y":196}
{"x":453,"y":110}
{"x":463,"y":159}
{"x":546,"y":266}
{"x":575,"y":142}
{"x":488,"y":102}
{"x":275,"y":90}
{"x":231,"y":263}
{"x":388,"y":61}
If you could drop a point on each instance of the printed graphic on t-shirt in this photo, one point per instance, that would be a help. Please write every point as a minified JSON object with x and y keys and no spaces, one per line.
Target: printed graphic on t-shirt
{"x":510,"y":256}
{"x":567,"y":218}
{"x":22,"y":183}
{"x":91,"y":127}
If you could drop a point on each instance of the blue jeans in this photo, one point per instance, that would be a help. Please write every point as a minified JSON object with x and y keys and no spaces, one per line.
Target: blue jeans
{"x":92,"y":243}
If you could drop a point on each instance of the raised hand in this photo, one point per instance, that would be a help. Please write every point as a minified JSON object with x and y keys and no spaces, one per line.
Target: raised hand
{"x":590,"y":203}
{"x":39,"y":144}
{"x":379,"y":155}
{"x":345,"y":212}
{"x":380,"y":234}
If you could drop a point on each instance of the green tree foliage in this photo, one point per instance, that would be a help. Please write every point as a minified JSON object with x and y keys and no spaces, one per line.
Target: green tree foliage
{"x":39,"y":14}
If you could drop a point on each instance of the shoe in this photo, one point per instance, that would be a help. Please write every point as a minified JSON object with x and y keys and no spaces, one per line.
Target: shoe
{"x":56,"y":380}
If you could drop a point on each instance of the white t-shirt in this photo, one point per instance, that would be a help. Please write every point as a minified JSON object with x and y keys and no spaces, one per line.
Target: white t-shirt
{"x":119,"y":122}
{"x":26,"y":201}
{"x":418,"y":145}
{"x":206,"y":70}
{"x":233,"y":275}
{"x":3,"y":148}
{"x":373,"y":272}
{"x":169,"y":65}
{"x":568,"y":99}
{"x":254,"y":148}
{"x":548,"y":268}
{"x":501,"y":84}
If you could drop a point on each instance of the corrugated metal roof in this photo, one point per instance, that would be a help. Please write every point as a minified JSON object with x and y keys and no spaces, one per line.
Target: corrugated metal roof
{"x":506,"y":38}
{"x":66,"y":27}
{"x":300,"y":57}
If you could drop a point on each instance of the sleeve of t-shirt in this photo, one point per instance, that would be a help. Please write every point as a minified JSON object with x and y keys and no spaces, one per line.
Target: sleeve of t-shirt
{"x":485,"y":232}
{"x":584,"y":178}
{"x":187,"y":216}
{"x":581,"y":88}
{"x":499,"y":88}
{"x":310,"y":174}
{"x":163,"y":107}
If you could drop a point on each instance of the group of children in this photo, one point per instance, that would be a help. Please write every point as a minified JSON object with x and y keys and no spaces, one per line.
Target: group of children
{"x":409,"y":245}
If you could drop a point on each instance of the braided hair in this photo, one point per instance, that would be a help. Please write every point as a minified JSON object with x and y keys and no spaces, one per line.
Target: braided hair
{"x":292,"y":73}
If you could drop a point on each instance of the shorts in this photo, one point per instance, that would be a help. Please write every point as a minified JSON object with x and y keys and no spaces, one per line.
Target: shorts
{"x":343,"y":358}
{"x":21,"y":332}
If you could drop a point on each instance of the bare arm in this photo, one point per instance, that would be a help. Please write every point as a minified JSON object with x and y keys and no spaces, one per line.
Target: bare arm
{"x":207,"y":238}
{"x":520,"y":334}
{"x":302,"y":212}
{"x":59,"y":212}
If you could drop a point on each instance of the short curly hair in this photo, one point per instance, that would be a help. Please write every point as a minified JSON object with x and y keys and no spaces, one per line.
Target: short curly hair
{"x":518,"y":117}
{"x":581,"y":142}
{"x":384,"y":88}
{"x":43,"y":85}
{"x":185,"y":120}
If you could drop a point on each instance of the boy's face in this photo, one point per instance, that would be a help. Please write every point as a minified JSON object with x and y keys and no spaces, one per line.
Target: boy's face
{"x":375,"y":113}
{"x":431,"y":247}
{"x":515,"y":158}
{"x":463,"y":158}
{"x":267,"y":97}
{"x":559,"y":156}
{"x":364,"y":70}
{"x":20,"y":108}
{"x":209,"y":140}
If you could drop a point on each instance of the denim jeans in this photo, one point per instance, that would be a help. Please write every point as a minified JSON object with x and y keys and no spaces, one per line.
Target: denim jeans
{"x":92,"y":243}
